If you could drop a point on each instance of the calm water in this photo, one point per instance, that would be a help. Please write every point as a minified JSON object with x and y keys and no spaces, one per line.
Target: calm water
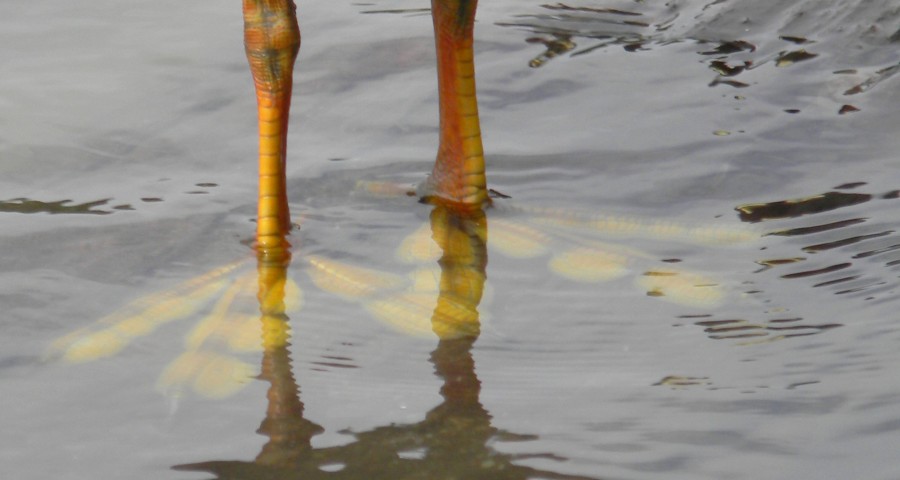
{"x":127,"y":147}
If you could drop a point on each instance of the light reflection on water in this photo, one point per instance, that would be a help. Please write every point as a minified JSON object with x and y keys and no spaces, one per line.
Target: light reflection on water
{"x":617,"y":383}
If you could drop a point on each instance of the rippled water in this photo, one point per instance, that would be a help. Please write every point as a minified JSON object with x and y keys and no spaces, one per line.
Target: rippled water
{"x":126,"y":169}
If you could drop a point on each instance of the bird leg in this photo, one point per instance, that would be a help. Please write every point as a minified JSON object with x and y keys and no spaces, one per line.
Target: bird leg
{"x":458,"y":174}
{"x":272,"y":40}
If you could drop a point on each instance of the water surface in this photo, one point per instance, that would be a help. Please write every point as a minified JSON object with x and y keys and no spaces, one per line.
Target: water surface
{"x":126,"y":166}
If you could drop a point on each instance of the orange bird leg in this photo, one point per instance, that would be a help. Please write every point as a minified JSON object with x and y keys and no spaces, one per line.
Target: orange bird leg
{"x":458,"y":174}
{"x":272,"y":40}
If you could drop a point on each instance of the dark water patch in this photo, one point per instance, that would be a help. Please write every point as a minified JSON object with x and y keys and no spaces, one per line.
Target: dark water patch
{"x":581,"y":21}
{"x":792,"y":232}
{"x":613,"y":11}
{"x":797,"y":385}
{"x":850,"y":185}
{"x":797,"y":40}
{"x":790,"y":58}
{"x":681,"y":381}
{"x":866,"y":288}
{"x":773,"y":329}
{"x":333,"y":361}
{"x":774,"y":262}
{"x":24,"y":205}
{"x":878,"y":251}
{"x":844,"y":242}
{"x":836,"y":281}
{"x":729,"y":47}
{"x":841,"y":244}
{"x":400,"y":11}
{"x":825,"y":202}
{"x":818,"y":271}
{"x":725,"y":70}
{"x":668,"y":464}
{"x":730,"y":83}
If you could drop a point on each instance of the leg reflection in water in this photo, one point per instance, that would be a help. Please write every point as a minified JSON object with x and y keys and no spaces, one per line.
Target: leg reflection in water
{"x":453,"y":441}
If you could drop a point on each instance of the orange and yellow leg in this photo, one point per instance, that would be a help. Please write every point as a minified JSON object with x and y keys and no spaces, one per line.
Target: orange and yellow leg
{"x":272,"y":40}
{"x":458,"y":174}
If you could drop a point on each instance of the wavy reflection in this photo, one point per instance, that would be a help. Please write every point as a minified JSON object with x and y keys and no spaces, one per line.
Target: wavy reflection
{"x":853,"y":239}
{"x":561,"y":27}
{"x":455,"y":438}
{"x":707,"y":21}
{"x":569,"y":30}
{"x":838,"y":250}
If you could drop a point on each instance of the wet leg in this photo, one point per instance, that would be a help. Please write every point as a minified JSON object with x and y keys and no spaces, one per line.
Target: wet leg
{"x":458,"y":174}
{"x":272,"y":40}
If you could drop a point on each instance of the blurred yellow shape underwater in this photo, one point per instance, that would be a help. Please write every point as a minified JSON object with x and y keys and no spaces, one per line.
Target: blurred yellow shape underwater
{"x":683,"y":288}
{"x":586,"y":264}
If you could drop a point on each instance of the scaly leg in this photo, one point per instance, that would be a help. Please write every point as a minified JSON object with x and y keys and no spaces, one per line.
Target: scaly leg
{"x":272,"y":40}
{"x":458,"y":174}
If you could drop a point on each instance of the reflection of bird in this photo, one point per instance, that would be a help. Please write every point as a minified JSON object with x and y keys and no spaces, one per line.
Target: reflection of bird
{"x":455,"y":439}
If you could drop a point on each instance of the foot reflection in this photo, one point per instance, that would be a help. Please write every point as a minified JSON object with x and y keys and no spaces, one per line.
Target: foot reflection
{"x":453,"y":441}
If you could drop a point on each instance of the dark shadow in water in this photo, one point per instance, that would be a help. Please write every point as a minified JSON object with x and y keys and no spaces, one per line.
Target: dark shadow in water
{"x":848,"y":253}
{"x":454,"y":439}
{"x":758,"y":212}
{"x":25,"y":205}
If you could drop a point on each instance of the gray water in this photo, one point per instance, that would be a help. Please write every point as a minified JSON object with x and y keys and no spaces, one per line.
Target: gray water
{"x":127,"y":144}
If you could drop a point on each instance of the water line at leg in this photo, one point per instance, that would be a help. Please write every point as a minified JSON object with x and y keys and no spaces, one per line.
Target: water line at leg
{"x":272,"y":40}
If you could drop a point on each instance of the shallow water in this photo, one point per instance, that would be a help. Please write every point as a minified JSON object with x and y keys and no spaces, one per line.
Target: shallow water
{"x":143,"y":118}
